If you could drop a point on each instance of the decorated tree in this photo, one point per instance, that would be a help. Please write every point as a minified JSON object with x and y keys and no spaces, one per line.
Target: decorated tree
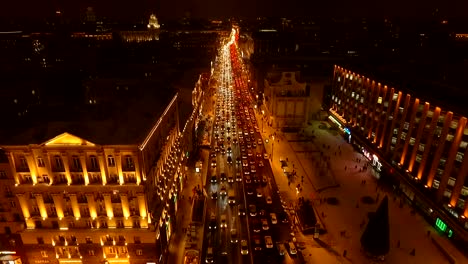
{"x":376,"y":237}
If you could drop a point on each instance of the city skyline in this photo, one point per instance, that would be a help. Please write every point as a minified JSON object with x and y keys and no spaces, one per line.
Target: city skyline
{"x":210,"y":8}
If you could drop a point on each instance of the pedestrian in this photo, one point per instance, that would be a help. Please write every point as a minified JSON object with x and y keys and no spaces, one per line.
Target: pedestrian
{"x":345,"y":167}
{"x":413,"y":252}
{"x":398,"y":243}
{"x":323,"y":214}
{"x":345,"y":253}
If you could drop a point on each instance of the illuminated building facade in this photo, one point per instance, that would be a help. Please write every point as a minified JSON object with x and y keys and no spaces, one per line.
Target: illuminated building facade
{"x":422,"y":141}
{"x":11,"y":220}
{"x":109,"y":199}
{"x":286,"y":100}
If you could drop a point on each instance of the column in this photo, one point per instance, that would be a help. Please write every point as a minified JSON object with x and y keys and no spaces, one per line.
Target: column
{"x":118,"y":164}
{"x":142,"y":204}
{"x":58,"y":201}
{"x":401,"y":126}
{"x":443,"y":135}
{"x":48,"y":165}
{"x":66,"y":166}
{"x":24,"y":205}
{"x":84,"y":168}
{"x":41,"y":205}
{"x":108,"y":205}
{"x":75,"y":206}
{"x":136,"y":162}
{"x":410,"y":131}
{"x":11,"y":161}
{"x":32,"y":166}
{"x":102,"y":166}
{"x":451,"y":158}
{"x":91,"y":205}
{"x":395,"y":117}
{"x":430,"y":138}
{"x":125,"y":206}
{"x":460,"y":181}
{"x":419,"y":133}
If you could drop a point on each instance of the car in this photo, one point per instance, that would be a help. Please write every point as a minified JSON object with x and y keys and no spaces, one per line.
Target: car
{"x":213,"y":179}
{"x":265,"y":225}
{"x":244,"y":247}
{"x":241,"y":210}
{"x":281,"y":249}
{"x":256,"y":225}
{"x":273,"y":218}
{"x":212,"y":221}
{"x":259,"y":142}
{"x":245,"y":163}
{"x":253,"y":169}
{"x":265,"y":156}
{"x":213,"y":154}
{"x":292,"y":248}
{"x":268,"y":242}
{"x":238,"y":176}
{"x":267,"y":199}
{"x":209,"y":255}
{"x":247,"y":179}
{"x":262,"y":212}
{"x":230,"y":179}
{"x":252,"y":210}
{"x":229,"y":159}
{"x":214,"y":195}
{"x":259,"y":193}
{"x":213,"y":163}
{"x":283,"y":217}
{"x":234,"y":238}
{"x":223,"y":176}
{"x":223,"y":221}
{"x":249,"y":190}
{"x":223,"y":191}
{"x":264,"y":179}
{"x":257,"y":243}
{"x":260,"y":163}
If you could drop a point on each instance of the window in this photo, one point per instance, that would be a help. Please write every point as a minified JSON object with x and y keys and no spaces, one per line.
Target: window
{"x":3,"y":175}
{"x":23,"y":162}
{"x":89,"y":240}
{"x":110,"y":161}
{"x":137,"y":240}
{"x":40,"y":240}
{"x":76,"y":162}
{"x":58,"y":162}
{"x":129,"y":161}
{"x":44,"y":254}
{"x":12,"y":204}
{"x":94,"y":162}
{"x":139,"y":252}
{"x":91,"y":252}
{"x":40,"y":162}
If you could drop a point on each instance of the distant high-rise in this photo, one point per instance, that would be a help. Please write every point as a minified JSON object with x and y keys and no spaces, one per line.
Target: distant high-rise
{"x":153,"y":22}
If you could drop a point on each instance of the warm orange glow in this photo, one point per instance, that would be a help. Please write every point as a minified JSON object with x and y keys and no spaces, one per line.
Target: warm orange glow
{"x":67,"y":139}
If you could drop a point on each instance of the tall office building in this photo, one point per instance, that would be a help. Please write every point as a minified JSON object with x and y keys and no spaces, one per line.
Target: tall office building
{"x":400,"y":132}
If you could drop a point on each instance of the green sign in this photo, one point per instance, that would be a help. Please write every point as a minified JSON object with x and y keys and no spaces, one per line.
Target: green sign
{"x":441,"y":225}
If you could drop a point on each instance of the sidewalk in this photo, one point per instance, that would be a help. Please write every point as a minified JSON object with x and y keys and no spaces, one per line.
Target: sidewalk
{"x":325,"y":176}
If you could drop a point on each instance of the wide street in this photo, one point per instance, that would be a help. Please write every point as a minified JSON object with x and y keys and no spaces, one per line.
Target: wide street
{"x":250,"y":202}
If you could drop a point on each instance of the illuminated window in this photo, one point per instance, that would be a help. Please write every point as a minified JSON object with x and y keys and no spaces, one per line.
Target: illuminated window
{"x":76,"y":162}
{"x":58,"y":162}
{"x":23,"y":162}
{"x":94,"y":162}
{"x":3,"y":175}
{"x":395,"y":96}
{"x":379,"y":100}
{"x":44,"y":254}
{"x":139,"y":252}
{"x":91,"y":252}
{"x":459,"y":156}
{"x":40,"y":162}
{"x":129,"y":161}
{"x":110,"y":161}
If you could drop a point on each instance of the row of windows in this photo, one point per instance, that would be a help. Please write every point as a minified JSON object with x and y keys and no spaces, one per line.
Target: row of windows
{"x":111,"y":250}
{"x":76,"y":162}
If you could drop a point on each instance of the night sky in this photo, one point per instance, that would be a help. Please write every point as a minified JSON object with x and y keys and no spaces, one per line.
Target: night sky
{"x":168,"y":9}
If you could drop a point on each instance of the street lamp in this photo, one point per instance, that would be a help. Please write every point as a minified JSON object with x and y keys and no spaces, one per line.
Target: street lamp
{"x":272,"y":144}
{"x":263,"y":113}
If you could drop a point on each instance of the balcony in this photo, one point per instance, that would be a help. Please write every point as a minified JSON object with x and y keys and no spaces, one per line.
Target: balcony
{"x":115,"y":199}
{"x":26,"y":180}
{"x":22,"y":169}
{"x":113,"y":180}
{"x":128,"y":168}
{"x":78,"y":181}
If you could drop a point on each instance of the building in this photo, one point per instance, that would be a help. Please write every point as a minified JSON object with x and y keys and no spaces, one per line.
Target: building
{"x":99,"y":186}
{"x":286,"y":100}
{"x":422,"y":143}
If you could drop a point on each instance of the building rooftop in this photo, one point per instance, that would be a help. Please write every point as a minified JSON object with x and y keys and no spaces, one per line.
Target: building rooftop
{"x":118,"y":117}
